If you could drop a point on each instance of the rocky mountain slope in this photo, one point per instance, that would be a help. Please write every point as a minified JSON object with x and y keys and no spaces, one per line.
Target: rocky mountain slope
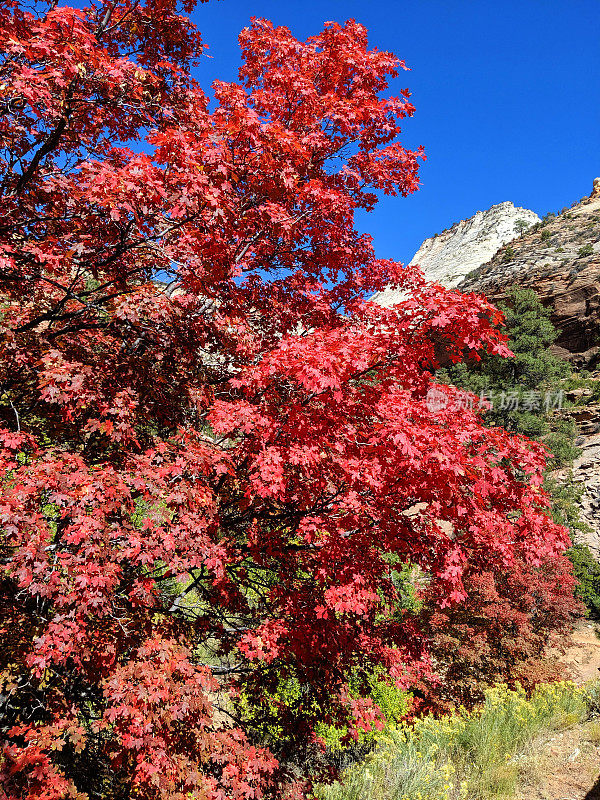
{"x":586,"y":467}
{"x":560,"y":260}
{"x":449,"y":256}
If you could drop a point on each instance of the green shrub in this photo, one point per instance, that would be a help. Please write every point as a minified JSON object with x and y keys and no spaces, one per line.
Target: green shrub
{"x":402,"y":768}
{"x":586,"y":250}
{"x":592,"y":698}
{"x":393,"y":702}
{"x":281,"y":703}
{"x":545,"y":235}
{"x":405,"y":578}
{"x":582,"y":379}
{"x":527,"y":376}
{"x":561,"y":443}
{"x":587,"y":572}
{"x":566,"y":497}
{"x":509,"y":254}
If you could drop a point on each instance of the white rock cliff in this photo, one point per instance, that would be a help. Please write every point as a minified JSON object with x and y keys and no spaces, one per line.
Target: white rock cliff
{"x":449,"y":256}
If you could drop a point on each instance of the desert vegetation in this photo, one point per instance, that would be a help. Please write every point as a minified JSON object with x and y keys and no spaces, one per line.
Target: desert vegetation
{"x":482,"y":754}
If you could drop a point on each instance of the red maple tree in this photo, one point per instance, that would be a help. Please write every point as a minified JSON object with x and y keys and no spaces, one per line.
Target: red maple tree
{"x":510,"y":628}
{"x":203,"y":479}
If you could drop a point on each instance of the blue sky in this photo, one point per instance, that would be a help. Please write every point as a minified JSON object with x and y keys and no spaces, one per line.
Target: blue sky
{"x":507,"y":94}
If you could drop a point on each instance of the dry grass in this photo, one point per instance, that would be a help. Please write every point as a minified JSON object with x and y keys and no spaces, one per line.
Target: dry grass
{"x":488,"y":754}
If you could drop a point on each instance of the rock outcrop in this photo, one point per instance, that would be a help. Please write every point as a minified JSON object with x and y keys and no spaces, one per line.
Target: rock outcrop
{"x":586,"y":471}
{"x":560,"y":260}
{"x":584,"y":409}
{"x":449,"y":256}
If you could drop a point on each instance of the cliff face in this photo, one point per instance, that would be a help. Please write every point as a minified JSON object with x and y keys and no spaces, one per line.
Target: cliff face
{"x":449,"y":256}
{"x":560,"y":261}
{"x":586,"y":468}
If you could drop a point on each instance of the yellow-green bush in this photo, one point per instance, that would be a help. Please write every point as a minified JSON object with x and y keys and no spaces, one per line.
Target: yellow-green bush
{"x":289,"y":694}
{"x":393,"y":702}
{"x":402,"y":768}
{"x":463,"y":756}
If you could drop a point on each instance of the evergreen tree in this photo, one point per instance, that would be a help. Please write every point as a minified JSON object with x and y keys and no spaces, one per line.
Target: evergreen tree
{"x":587,"y":572}
{"x":524,"y":389}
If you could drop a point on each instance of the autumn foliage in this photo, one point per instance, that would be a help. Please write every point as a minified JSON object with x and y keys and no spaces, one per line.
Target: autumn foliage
{"x":211,"y":441}
{"x":511,"y":627}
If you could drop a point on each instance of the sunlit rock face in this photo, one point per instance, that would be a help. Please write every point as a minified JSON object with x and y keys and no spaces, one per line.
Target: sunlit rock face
{"x":451,"y":255}
{"x":560,"y":261}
